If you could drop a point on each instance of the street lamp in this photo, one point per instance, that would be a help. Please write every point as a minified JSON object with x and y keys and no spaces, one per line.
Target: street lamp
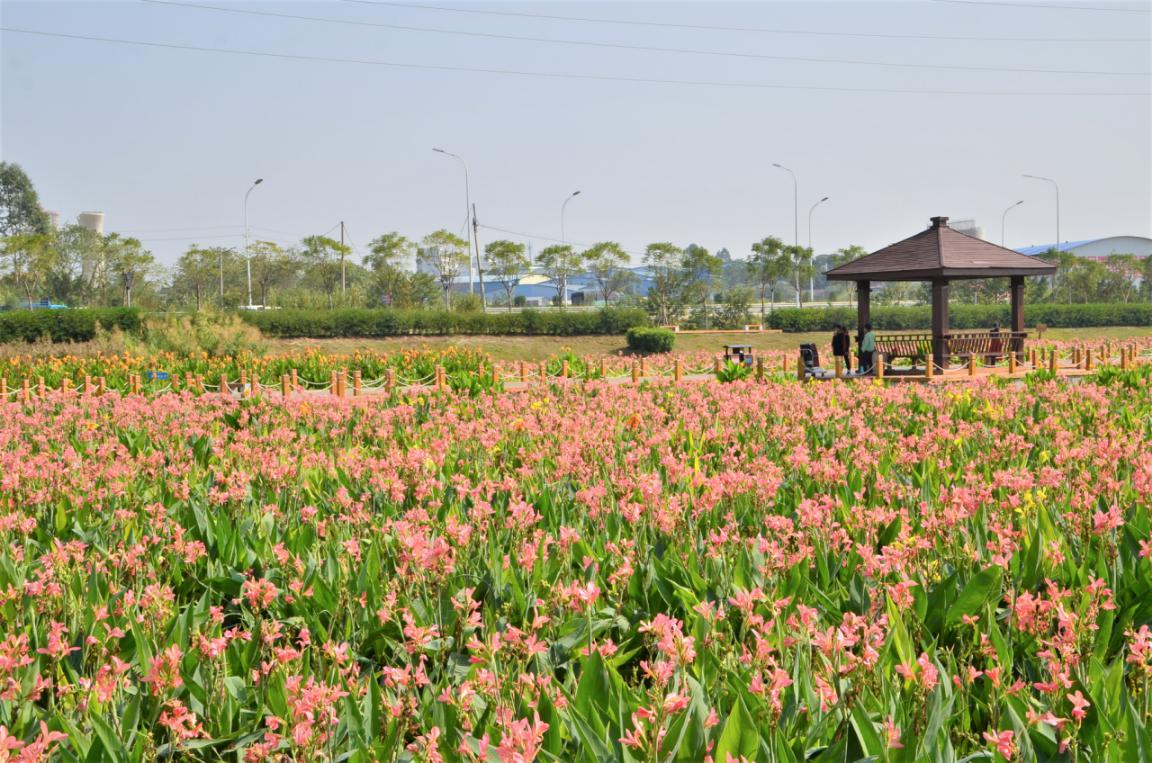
{"x":467,"y":227}
{"x":795,"y":221}
{"x":1057,"y":187}
{"x":573,"y":195}
{"x":247,"y":259}
{"x":812,"y":278}
{"x":1004,"y":219}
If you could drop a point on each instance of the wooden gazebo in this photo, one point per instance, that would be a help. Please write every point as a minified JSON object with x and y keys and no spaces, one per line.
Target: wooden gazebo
{"x":939,"y":255}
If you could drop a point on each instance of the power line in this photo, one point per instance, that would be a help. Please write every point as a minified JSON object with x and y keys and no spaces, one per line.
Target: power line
{"x":1046,"y":6}
{"x":714,"y":28}
{"x":564,"y":75}
{"x":622,"y":46}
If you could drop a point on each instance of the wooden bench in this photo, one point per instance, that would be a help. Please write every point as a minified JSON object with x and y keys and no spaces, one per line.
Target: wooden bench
{"x":912,"y":346}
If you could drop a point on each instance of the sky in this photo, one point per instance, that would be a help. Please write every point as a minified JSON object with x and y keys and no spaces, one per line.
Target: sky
{"x":971,"y":94}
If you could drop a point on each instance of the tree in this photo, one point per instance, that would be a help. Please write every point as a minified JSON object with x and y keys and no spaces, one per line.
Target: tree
{"x":391,"y":250}
{"x":272,"y":265}
{"x":801,"y":259}
{"x":323,"y":258}
{"x":665,"y":263}
{"x":845,"y":255}
{"x":768,"y":265}
{"x":78,"y":268}
{"x":702,"y":269}
{"x":560,"y":262}
{"x":447,"y":254}
{"x":606,"y":262}
{"x":197,"y":273}
{"x":30,"y":257}
{"x":128,"y":262}
{"x":507,"y":264}
{"x":20,"y":210}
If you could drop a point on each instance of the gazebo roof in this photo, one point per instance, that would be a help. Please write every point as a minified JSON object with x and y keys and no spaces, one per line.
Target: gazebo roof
{"x":940,"y":252}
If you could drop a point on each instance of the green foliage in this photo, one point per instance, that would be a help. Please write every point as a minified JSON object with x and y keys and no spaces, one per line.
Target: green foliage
{"x":213,"y":334}
{"x":362,"y":322}
{"x":894,"y":318}
{"x":641,"y":339}
{"x":66,"y":325}
{"x":732,"y":371}
{"x":20,"y":210}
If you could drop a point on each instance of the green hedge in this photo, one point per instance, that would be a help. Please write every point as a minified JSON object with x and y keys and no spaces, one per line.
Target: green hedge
{"x":641,"y":339}
{"x":965,"y":316}
{"x":66,"y":325}
{"x":318,"y":324}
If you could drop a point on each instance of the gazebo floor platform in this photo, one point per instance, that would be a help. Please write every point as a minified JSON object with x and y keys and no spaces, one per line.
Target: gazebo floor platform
{"x":958,"y":374}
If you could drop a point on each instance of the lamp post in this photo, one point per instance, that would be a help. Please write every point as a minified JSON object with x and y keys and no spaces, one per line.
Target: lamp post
{"x":812,"y":278}
{"x":467,"y":226}
{"x":563,"y":237}
{"x":1004,"y":219}
{"x":795,"y":221}
{"x":247,"y":258}
{"x":1057,"y":187}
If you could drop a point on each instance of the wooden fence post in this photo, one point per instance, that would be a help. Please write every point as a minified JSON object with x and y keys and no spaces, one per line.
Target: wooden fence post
{"x":66,"y":385}
{"x":759,"y":369}
{"x":785,"y":367}
{"x":1011,"y":363}
{"x":285,"y":384}
{"x":332,"y":383}
{"x":603,"y":368}
{"x":929,"y":367}
{"x":26,"y":391}
{"x":442,"y":378}
{"x":1033,"y":358}
{"x":1088,"y":361}
{"x":800,"y":370}
{"x":544,"y":372}
{"x":839,"y":367}
{"x":635,"y":372}
{"x":3,"y":389}
{"x":1053,"y":361}
{"x":715,"y":365}
{"x":879,"y":365}
{"x":523,"y":372}
{"x":101,"y":385}
{"x":40,"y":390}
{"x":678,"y":371}
{"x":390,"y":380}
{"x":564,"y":369}
{"x":643,"y":370}
{"x":87,"y":384}
{"x":295,"y":381}
{"x":972,"y":364}
{"x":357,"y":383}
{"x":1125,"y":359}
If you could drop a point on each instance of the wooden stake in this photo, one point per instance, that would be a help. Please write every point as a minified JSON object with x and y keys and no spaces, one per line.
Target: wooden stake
{"x":285,"y":384}
{"x":643,"y":371}
{"x":442,"y":378}
{"x":26,"y":391}
{"x":929,"y":367}
{"x":3,"y":389}
{"x":87,"y":385}
{"x":635,"y":372}
{"x":564,"y":370}
{"x":800,"y":370}
{"x":785,"y":369}
{"x":879,"y":365}
{"x":333,"y":383}
{"x":1033,"y":358}
{"x":544,"y":372}
{"x":759,"y":369}
{"x":715,"y":365}
{"x":295,"y":381}
{"x":523,"y":372}
{"x":839,"y":367}
{"x":357,"y":382}
{"x":971,"y":365}
{"x":40,"y":390}
{"x":678,"y":371}
{"x":1053,"y":361}
{"x":1088,"y":361}
{"x":66,"y":385}
{"x":1011,"y":363}
{"x":603,"y":368}
{"x":101,"y":385}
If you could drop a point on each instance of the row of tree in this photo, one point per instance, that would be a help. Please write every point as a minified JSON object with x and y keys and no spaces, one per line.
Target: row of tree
{"x":78,"y":267}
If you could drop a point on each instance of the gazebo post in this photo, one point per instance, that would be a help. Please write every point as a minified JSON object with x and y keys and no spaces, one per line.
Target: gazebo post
{"x":939,"y":321}
{"x":863,"y":306}
{"x":1016,"y":301}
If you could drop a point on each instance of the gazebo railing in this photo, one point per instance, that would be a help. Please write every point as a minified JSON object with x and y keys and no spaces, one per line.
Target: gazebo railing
{"x":961,"y":343}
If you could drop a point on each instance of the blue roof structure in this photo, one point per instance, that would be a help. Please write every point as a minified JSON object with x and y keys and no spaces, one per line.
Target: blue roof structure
{"x":1042,"y":248}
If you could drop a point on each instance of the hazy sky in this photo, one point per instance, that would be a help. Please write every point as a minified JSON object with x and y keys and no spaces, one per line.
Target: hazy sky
{"x":166,"y":141}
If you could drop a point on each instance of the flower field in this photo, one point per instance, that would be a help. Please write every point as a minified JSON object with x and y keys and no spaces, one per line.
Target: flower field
{"x":747,"y":571}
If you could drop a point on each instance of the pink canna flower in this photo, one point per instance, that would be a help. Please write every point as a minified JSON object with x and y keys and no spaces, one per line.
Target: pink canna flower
{"x":1080,"y":705}
{"x":1004,"y":741}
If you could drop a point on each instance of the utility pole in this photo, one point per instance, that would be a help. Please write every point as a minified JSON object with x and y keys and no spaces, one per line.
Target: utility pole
{"x":479,"y":269}
{"x":343,"y":272}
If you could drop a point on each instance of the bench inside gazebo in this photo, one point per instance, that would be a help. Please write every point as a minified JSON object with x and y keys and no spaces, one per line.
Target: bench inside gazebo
{"x":940,"y":255}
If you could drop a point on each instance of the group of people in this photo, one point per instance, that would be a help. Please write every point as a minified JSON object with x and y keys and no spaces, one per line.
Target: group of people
{"x":866,"y":341}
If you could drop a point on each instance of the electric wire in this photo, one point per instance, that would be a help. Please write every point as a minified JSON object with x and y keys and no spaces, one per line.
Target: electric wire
{"x":567,"y":75}
{"x":718,"y":28}
{"x":641,"y":48}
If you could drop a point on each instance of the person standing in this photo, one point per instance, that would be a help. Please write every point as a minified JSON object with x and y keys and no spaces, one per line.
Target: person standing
{"x":867,"y":349}
{"x":840,"y":342}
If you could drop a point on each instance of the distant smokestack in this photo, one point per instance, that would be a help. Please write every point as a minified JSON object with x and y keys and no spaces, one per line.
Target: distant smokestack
{"x":93,"y":221}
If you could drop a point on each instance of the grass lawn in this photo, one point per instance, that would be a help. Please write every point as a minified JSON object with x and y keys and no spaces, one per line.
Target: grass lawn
{"x":536,"y":348}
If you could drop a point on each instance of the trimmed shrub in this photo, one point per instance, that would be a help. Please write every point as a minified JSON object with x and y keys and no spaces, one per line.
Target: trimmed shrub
{"x":641,"y":339}
{"x":318,"y":324}
{"x":66,"y":325}
{"x":960,"y":317}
